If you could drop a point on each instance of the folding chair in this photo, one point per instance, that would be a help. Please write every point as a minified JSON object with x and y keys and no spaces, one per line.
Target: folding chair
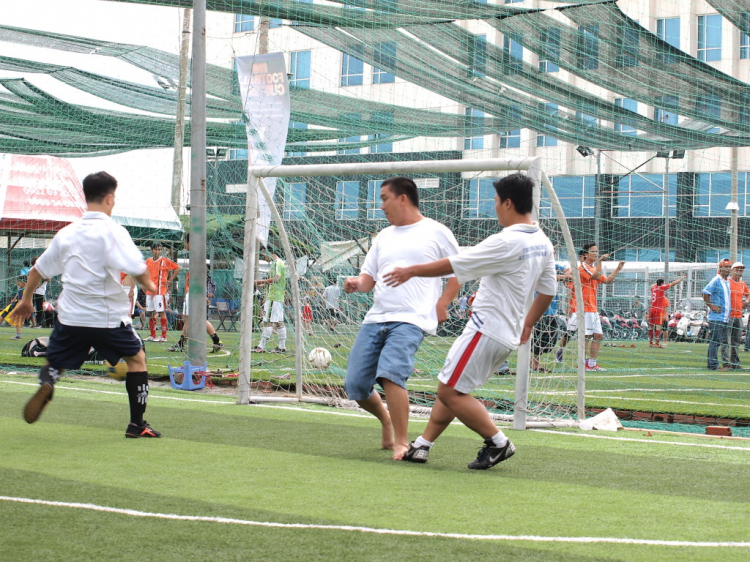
{"x":222,"y":308}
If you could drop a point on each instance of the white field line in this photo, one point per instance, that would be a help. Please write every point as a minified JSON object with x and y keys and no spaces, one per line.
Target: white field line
{"x":373,"y":530}
{"x":588,"y":391}
{"x":599,"y":436}
{"x":367,"y":416}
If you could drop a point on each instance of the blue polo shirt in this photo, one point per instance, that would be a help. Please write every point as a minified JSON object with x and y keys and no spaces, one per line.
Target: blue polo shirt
{"x":720,"y":292}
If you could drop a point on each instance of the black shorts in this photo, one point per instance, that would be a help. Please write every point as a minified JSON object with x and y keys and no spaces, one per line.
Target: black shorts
{"x":545,"y":335}
{"x":333,"y":313}
{"x":69,"y":345}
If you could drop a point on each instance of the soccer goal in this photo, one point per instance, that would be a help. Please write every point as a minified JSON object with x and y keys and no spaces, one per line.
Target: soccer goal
{"x":324,"y":220}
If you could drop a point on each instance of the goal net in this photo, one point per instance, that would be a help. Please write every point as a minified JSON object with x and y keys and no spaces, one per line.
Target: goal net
{"x":326,"y":217}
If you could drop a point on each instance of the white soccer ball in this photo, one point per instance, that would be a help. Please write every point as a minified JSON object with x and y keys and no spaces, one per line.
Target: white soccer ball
{"x":320,"y":358}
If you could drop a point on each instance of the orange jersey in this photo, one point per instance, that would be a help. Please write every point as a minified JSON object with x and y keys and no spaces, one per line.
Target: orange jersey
{"x":158,"y":271}
{"x":572,"y":301}
{"x":739,"y":291}
{"x":659,"y":297}
{"x":589,"y":286}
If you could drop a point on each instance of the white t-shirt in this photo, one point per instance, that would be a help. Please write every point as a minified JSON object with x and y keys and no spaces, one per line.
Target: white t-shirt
{"x":513,"y":264}
{"x":90,"y":253}
{"x":42,"y":288}
{"x":331,"y":295}
{"x":399,"y":246}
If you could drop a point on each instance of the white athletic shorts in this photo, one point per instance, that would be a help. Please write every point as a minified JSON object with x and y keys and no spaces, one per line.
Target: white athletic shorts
{"x":277,"y":311}
{"x":592,"y":321}
{"x":472,"y":360}
{"x":155,"y":303}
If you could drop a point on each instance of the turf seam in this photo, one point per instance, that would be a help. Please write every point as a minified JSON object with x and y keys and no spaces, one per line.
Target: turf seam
{"x":374,"y":530}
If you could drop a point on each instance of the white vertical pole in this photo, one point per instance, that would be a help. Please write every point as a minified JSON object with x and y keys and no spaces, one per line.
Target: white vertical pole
{"x":197,"y":307}
{"x":248,"y":288}
{"x":666,"y":220}
{"x":572,"y":254}
{"x":179,"y":128}
{"x":294,"y":279}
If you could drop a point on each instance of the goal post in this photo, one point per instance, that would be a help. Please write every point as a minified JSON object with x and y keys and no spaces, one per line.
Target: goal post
{"x":310,"y":385}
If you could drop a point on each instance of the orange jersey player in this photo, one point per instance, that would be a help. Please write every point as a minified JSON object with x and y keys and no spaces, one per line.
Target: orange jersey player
{"x":162,"y":272}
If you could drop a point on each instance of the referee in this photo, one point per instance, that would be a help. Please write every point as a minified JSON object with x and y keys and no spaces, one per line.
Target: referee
{"x":93,"y":310}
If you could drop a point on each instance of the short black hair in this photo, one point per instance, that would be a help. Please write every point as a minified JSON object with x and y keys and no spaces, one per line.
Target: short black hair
{"x":659,"y":282}
{"x":97,"y":186}
{"x":401,"y":185}
{"x":585,"y":249}
{"x":155,"y":245}
{"x":519,"y":189}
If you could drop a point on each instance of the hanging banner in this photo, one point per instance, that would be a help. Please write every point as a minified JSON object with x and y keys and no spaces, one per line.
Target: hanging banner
{"x":264,"y":88}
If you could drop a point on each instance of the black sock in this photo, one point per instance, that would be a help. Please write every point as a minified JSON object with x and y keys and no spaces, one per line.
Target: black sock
{"x":137,"y":387}
{"x":215,"y":338}
{"x":49,"y":375}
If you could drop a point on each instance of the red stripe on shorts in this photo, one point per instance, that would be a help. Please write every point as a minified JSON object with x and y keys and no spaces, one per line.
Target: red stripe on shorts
{"x":458,"y":371}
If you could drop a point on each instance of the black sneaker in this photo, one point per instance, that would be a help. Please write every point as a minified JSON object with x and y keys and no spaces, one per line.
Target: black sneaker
{"x":36,"y":404}
{"x":176,"y":347}
{"x":257,"y":349}
{"x":490,"y":455}
{"x":278,"y":350}
{"x":144,"y":430}
{"x":217,"y":347}
{"x":417,"y":454}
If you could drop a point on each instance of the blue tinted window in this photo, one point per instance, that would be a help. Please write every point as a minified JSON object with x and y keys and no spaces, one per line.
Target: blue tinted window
{"x":709,"y":37}
{"x":668,"y":29}
{"x":549,"y":54}
{"x":347,"y":200}
{"x":627,"y":127}
{"x":546,"y":140}
{"x":576,"y":195}
{"x":352,"y":69}
{"x":300,"y":69}
{"x":243,"y":22}
{"x":385,"y":60}
{"x":713,"y":193}
{"x":274,"y":23}
{"x":477,"y":55}
{"x":588,"y":47}
{"x":643,"y":196}
{"x":512,"y":46}
{"x":475,"y":129}
{"x":511,"y":139}
{"x":479,"y":199}
{"x":745,"y":38}
{"x":664,"y":113}
{"x":295,"y":195}
{"x":374,"y":212}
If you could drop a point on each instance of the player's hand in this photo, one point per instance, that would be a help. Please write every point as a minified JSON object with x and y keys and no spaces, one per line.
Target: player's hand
{"x":622,"y":264}
{"x":602,"y":257}
{"x":397,"y":277}
{"x":525,"y":334}
{"x":21,"y":312}
{"x":351,"y":284}
{"x":442,"y":312}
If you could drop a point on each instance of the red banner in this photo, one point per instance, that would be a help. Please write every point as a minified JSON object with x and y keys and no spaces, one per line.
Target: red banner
{"x":38,"y":193}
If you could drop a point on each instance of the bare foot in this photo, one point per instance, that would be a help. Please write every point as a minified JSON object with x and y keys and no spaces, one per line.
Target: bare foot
{"x":399,"y":451}
{"x":387,"y":440}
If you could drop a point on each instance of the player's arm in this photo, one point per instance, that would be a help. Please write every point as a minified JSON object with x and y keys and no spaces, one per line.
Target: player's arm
{"x":25,"y":306}
{"x":540,"y":304}
{"x":677,"y":281}
{"x":363,"y":283}
{"x":611,"y":277}
{"x":452,"y":286}
{"x":707,"y":300}
{"x":175,"y":271}
{"x":401,"y":275}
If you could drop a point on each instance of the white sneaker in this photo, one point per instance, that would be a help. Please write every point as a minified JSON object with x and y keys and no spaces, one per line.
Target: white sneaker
{"x":150,"y":338}
{"x":158,"y":339}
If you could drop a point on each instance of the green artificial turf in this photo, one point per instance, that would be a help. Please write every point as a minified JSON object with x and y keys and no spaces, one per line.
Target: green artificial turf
{"x":315,"y":466}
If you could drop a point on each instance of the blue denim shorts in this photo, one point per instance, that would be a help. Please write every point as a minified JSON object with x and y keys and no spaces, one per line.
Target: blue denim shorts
{"x":381,"y":351}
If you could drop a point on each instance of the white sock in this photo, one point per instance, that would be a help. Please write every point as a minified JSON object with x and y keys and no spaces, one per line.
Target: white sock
{"x":499,"y":439}
{"x":592,"y":362}
{"x":267,"y":331}
{"x":282,"y":336}
{"x":422,"y":442}
{"x":588,"y":362}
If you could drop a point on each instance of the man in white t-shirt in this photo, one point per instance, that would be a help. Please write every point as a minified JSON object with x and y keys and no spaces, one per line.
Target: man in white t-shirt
{"x":513,"y":264}
{"x":93,"y":310}
{"x":331,"y":295}
{"x":394,"y":327}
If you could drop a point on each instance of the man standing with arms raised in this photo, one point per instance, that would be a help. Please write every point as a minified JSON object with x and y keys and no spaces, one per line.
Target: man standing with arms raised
{"x":93,"y":310}
{"x":394,"y":327}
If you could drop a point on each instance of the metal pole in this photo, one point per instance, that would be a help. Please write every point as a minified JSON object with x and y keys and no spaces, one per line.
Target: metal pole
{"x":179,"y":127}
{"x":666,"y":221}
{"x":248,"y":288}
{"x":734,"y":234}
{"x":197,"y":306}
{"x":597,"y":202}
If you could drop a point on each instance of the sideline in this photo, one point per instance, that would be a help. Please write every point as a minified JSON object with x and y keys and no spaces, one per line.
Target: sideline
{"x":228,"y":521}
